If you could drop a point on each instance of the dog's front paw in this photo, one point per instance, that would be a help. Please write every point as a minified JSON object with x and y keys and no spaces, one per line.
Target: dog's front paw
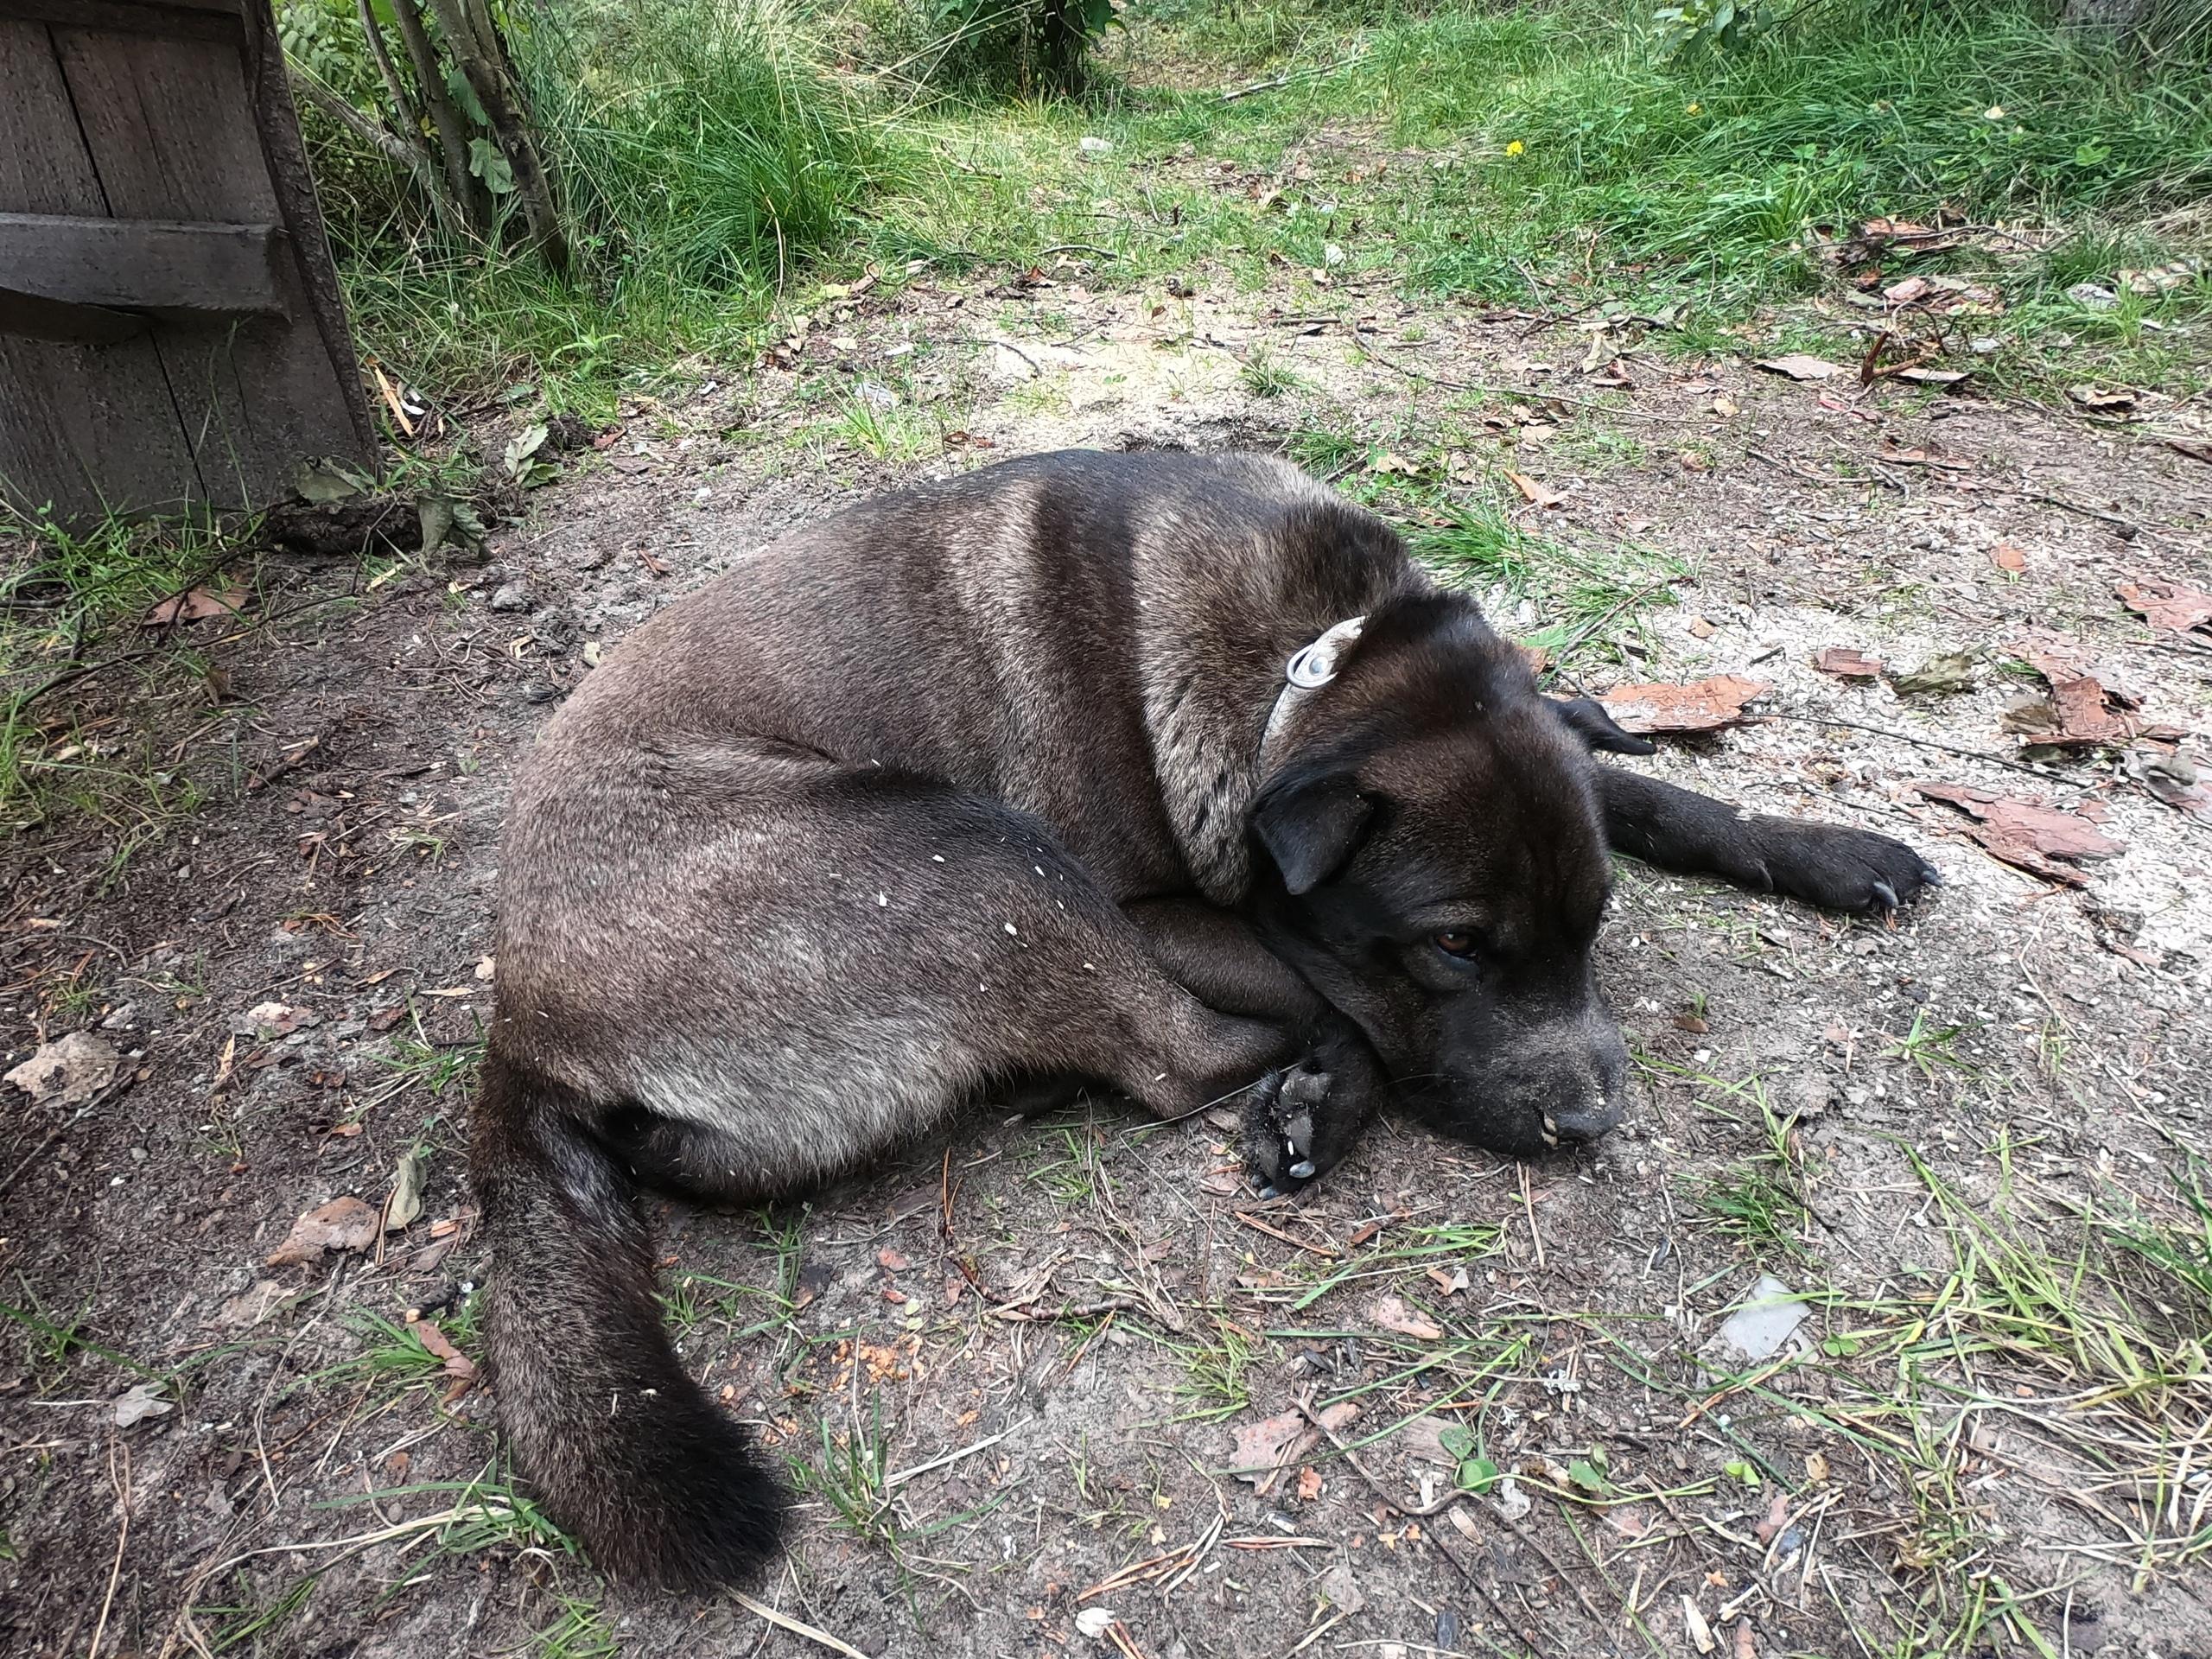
{"x":1840,"y":868}
{"x":1284,"y":1142}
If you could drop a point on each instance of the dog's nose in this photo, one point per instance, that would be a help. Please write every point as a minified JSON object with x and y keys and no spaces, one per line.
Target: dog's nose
{"x":1583,"y":1123}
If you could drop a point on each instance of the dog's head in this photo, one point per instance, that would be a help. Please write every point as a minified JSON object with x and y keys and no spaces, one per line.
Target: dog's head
{"x":1432,"y":858}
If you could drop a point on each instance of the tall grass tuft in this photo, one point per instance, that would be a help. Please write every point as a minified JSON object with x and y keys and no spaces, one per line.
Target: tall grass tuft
{"x":701,"y":159}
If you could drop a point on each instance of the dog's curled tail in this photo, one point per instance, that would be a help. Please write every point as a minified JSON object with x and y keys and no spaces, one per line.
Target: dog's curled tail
{"x":620,"y":1445}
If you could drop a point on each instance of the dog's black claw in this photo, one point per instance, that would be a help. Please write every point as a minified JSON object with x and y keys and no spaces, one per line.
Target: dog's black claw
{"x":1268,"y":1191}
{"x":1298,"y":1133}
{"x":1887,"y":894}
{"x":1302,"y":1170}
{"x":1930,"y":876}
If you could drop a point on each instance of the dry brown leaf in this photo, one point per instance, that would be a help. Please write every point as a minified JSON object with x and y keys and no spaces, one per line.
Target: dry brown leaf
{"x":1309,"y":1483}
{"x":1536,"y":494}
{"x":1777,"y":1515}
{"x":2083,"y":717}
{"x":1706,"y":705}
{"x":1799,"y":367}
{"x":2006,"y":557}
{"x":69,"y":1070}
{"x":2172,"y":606}
{"x":1390,"y":1314}
{"x":1265,"y":1447}
{"x":195,"y":607}
{"x":1847,"y":664}
{"x":457,"y":1364}
{"x":2104,"y":397}
{"x":341,"y":1225}
{"x":2029,"y":835}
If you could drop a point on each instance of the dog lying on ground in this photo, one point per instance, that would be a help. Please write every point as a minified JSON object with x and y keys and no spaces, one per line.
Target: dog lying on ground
{"x":999,"y":788}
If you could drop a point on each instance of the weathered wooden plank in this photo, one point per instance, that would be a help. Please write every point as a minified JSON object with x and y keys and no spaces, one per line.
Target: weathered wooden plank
{"x":170,"y":126}
{"x":184,"y":270}
{"x":82,"y":426}
{"x":278,"y":124}
{"x":37,"y":319}
{"x":207,"y":20}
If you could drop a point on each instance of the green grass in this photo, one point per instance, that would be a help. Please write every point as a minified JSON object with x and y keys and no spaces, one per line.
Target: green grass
{"x":71,"y":598}
{"x":1577,"y":602}
{"x":704,"y":159}
{"x":1529,"y":155}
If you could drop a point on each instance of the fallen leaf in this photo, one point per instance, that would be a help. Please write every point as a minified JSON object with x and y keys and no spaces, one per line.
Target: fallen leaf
{"x":1263,"y":1449}
{"x":1095,"y":1622}
{"x":1916,"y":457}
{"x":268,"y":1019}
{"x":1693,"y":1622}
{"x":456,"y":1362}
{"x":1923,"y":377}
{"x":197,"y":605}
{"x":1309,"y":1483}
{"x":1816,"y":1468}
{"x":2168,"y":605}
{"x":1847,"y":664}
{"x":2104,"y":397}
{"x":325,"y":481}
{"x":1798,"y":367}
{"x":1777,"y":1515}
{"x":1536,"y":494}
{"x":1747,"y":1645}
{"x":1390,"y":1314}
{"x":2172,"y":777}
{"x":1706,"y":705}
{"x":2025,"y":834}
{"x":2006,"y":557}
{"x":342,"y":1224}
{"x":1953,"y":671}
{"x":1389,"y":461}
{"x":143,"y":1401}
{"x":891,"y":1259}
{"x":253,"y":1305}
{"x":69,"y":1070}
{"x":405,"y":1203}
{"x":2084,"y":719}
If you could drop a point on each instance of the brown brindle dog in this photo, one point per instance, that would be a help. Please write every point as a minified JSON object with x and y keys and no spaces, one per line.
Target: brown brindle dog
{"x":1002,"y":787}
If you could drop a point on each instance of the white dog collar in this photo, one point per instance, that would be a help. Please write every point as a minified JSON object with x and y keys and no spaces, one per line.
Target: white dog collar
{"x":1310,"y":668}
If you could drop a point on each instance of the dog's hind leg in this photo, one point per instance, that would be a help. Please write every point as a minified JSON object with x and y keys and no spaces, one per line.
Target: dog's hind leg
{"x":737,"y":990}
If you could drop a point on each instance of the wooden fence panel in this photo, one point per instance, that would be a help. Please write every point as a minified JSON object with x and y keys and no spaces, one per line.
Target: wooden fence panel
{"x":175,"y":121}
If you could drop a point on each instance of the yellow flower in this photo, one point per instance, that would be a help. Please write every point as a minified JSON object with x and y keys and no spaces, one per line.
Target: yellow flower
{"x":1516,"y":148}
{"x":1694,"y":108}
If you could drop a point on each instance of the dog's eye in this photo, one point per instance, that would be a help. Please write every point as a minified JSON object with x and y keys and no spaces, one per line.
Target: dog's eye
{"x":1457,"y":943}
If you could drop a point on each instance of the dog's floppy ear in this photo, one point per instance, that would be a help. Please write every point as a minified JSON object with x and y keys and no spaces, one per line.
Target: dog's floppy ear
{"x":1311,"y":826}
{"x":1587,"y":719}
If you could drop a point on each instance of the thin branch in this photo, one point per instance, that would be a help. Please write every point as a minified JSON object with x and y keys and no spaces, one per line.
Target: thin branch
{"x":416,"y":162}
{"x":469,"y":196}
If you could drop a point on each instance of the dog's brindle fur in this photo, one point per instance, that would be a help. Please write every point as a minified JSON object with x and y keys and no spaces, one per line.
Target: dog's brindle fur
{"x":961,"y":791}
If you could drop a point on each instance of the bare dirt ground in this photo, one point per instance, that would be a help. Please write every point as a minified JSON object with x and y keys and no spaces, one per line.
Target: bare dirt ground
{"x":1020,"y":1365}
